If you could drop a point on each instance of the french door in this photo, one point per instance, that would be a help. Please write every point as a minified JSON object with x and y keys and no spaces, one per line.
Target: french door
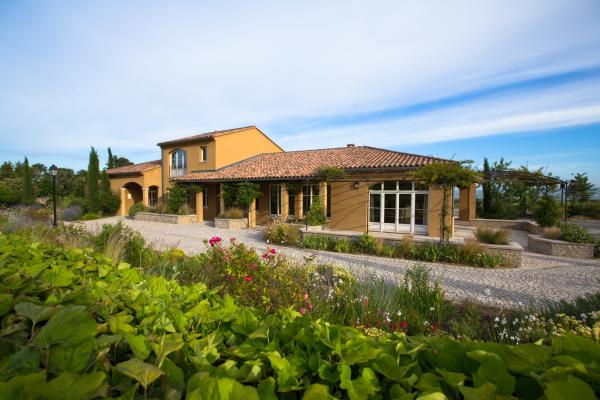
{"x":397,"y":207}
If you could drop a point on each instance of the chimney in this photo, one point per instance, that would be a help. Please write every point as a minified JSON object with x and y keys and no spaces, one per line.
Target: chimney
{"x":350,"y":145}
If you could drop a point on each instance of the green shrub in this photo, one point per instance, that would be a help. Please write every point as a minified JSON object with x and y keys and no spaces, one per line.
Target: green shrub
{"x":316,"y":214}
{"x":177,"y":198}
{"x":367,"y":244}
{"x":136,"y":208}
{"x":492,"y":236}
{"x":282,"y":233}
{"x":90,"y":216}
{"x":316,"y":242}
{"x":547,"y":211}
{"x":232,"y":213}
{"x":589,"y":209}
{"x":342,"y":246}
{"x":575,"y":234}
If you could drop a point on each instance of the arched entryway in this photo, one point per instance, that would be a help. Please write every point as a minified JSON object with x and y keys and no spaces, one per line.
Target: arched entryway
{"x":133,"y":194}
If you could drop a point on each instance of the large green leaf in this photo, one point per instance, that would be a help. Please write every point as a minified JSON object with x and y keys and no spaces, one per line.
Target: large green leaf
{"x":142,"y":372}
{"x":167,"y":345}
{"x":487,"y":391}
{"x":59,"y":276}
{"x":16,"y":388}
{"x":387,"y":365}
{"x":139,"y":344}
{"x":222,"y":388}
{"x":316,"y":391}
{"x":287,"y":375}
{"x":245,"y":323}
{"x":34,"y":312}
{"x":73,"y":358}
{"x":5,"y":303}
{"x":360,"y":388}
{"x":70,"y":326}
{"x":571,"y":388}
{"x":27,"y":360}
{"x":69,"y":386}
{"x":492,"y":370}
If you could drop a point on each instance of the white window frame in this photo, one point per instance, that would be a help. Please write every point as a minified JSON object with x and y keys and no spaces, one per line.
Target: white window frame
{"x":181,"y":170}
{"x":203,"y":153}
{"x":204,"y":197}
{"x":278,"y":197}
{"x":311,"y":195}
{"x":381,"y":226}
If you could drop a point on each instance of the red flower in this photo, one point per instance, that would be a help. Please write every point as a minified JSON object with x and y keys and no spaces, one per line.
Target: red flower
{"x":248,"y":278}
{"x":366,"y":301}
{"x":433,"y":327}
{"x":302,"y":310}
{"x":272,"y":251}
{"x":403,"y":324}
{"x":310,"y":306}
{"x":214,"y":240}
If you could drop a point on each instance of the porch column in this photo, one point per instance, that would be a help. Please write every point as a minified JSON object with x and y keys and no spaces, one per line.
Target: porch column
{"x":285,"y":205}
{"x":221,"y":197}
{"x":323,"y":194}
{"x":145,"y":198}
{"x":199,"y":206}
{"x":298,"y":206}
{"x":467,"y":203}
{"x":123,"y":209}
{"x":252,"y":214}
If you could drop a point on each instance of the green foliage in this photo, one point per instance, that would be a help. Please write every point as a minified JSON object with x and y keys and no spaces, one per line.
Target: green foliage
{"x":7,"y":195}
{"x":317,"y":242}
{"x":329,"y":174}
{"x":27,"y":194}
{"x":342,"y":246}
{"x":316,"y":214}
{"x":492,"y":236}
{"x":589,"y":209}
{"x":111,"y":162}
{"x":447,"y":175}
{"x":90,"y":216}
{"x":580,"y":189}
{"x":282,"y":233}
{"x":93,"y":176}
{"x":136,"y":208}
{"x":547,"y":211}
{"x":109,"y":201}
{"x":135,"y":335}
{"x":367,"y":244}
{"x":177,"y":198}
{"x":241,"y":194}
{"x":575,"y":234}
{"x":232,"y":213}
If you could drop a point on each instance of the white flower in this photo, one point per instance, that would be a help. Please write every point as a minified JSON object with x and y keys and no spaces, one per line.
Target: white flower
{"x":431,"y":308}
{"x":398,"y":313}
{"x":497,"y":319}
{"x":488,"y":291}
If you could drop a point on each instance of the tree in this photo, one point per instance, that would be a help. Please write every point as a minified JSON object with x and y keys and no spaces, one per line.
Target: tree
{"x":121,"y":162}
{"x":111,"y":162}
{"x":7,"y":196}
{"x":580,"y":188}
{"x":487,"y":187}
{"x":447,"y":175}
{"x":109,"y":201}
{"x":546,"y":211}
{"x":241,"y":194}
{"x":27,"y":195}
{"x":93,"y":175}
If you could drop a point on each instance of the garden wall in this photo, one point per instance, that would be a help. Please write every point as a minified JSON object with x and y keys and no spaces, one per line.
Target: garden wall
{"x":231,"y":223}
{"x":166,"y":218}
{"x":560,"y":248}
{"x":521,"y":225}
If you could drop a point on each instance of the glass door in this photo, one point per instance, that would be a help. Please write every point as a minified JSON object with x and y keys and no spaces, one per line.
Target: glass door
{"x":389,"y":212}
{"x":374,"y":211}
{"x":404,"y":212}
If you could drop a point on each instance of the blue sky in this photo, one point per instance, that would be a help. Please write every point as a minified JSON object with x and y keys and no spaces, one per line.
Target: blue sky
{"x":457,"y":79}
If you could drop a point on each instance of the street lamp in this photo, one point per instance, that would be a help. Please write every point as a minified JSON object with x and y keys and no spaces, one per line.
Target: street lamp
{"x":53,"y":172}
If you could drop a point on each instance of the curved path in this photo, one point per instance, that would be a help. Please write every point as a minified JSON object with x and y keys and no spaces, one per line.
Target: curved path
{"x":541,"y":279}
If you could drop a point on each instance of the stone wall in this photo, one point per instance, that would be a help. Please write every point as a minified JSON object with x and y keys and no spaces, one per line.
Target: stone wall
{"x":231,"y":223}
{"x":559,"y":248}
{"x":166,"y":218}
{"x":521,"y":225}
{"x":511,"y":252}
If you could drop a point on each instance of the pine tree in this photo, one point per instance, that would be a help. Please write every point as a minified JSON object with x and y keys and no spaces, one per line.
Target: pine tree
{"x":486,"y":186}
{"x":109,"y":201}
{"x":580,"y":188}
{"x":93,"y":176}
{"x":111,"y":161}
{"x":27,"y":196}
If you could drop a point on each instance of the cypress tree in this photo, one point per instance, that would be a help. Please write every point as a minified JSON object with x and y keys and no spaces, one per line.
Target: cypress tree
{"x":486,"y":186}
{"x":27,"y":196}
{"x":111,"y":161}
{"x":93,"y":176}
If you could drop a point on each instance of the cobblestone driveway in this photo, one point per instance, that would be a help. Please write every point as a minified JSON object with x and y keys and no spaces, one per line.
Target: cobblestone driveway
{"x":540,"y":279}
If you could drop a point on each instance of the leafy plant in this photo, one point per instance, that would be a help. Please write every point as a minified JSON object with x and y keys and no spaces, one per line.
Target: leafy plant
{"x":492,"y":236}
{"x":329,"y":174}
{"x":90,"y":216}
{"x":316,"y":213}
{"x":367,"y":244}
{"x":316,"y":242}
{"x":233,"y":213}
{"x":241,"y":194}
{"x":575,"y":234}
{"x":547,"y":211}
{"x":342,"y":246}
{"x":136,"y":208}
{"x":177,"y":197}
{"x":282,"y":233}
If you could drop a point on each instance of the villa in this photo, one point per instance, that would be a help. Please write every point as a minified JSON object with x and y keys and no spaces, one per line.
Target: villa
{"x":375,"y":194}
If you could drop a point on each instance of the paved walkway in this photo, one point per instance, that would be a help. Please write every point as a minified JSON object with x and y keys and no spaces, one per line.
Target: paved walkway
{"x":541,"y":278}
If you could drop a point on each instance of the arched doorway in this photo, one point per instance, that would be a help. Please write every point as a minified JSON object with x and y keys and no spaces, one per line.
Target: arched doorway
{"x":133,"y":194}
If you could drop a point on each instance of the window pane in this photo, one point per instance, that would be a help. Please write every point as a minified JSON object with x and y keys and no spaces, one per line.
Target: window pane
{"x":315,"y":190}
{"x":421,"y":186}
{"x":421,"y":209}
{"x":389,"y":185}
{"x":404,"y":209}
{"x":376,"y":186}
{"x":420,"y":217}
{"x":404,"y":185}
{"x":205,"y":197}
{"x":328,"y":201}
{"x":389,"y":213}
{"x":292,"y":204}
{"x":421,"y":201}
{"x":375,"y":208}
{"x":275,"y":191}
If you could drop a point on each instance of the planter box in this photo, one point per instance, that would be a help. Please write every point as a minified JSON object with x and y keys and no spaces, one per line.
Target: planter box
{"x":511,"y":253}
{"x":166,"y":218}
{"x":231,"y":223}
{"x":313,"y":228}
{"x":516,"y":224}
{"x":559,"y":248}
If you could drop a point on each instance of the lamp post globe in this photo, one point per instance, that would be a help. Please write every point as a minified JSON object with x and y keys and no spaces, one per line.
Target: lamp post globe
{"x":53,"y":172}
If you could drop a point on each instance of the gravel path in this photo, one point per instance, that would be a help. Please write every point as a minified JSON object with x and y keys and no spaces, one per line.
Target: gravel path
{"x":541,"y":278}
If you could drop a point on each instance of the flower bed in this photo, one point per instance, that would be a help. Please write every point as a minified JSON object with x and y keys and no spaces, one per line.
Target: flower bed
{"x":560,"y":248}
{"x":231,"y":223}
{"x":166,"y":218}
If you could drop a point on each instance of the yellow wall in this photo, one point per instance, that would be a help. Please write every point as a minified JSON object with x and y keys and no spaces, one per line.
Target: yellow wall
{"x":192,"y":151}
{"x":467,"y":203}
{"x":262,"y":212}
{"x":237,"y":146}
{"x":436,"y":196}
{"x":349,"y":206}
{"x":146,"y":179}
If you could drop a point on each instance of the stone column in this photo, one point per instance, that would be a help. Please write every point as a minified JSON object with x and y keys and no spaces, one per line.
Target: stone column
{"x":252,"y":214}
{"x":467,"y":203}
{"x":145,"y":197}
{"x":299,"y":204}
{"x":199,"y":206}
{"x":123,"y":209}
{"x":323,"y":194}
{"x":285,"y":205}
{"x":221,"y":197}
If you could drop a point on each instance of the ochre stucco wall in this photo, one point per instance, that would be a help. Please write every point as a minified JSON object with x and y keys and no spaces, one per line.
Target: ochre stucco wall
{"x":435,"y":209}
{"x":193,"y":157}
{"x":349,"y":206}
{"x":240,"y":145}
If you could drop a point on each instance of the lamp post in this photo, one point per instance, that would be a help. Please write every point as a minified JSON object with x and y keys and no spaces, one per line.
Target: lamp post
{"x":53,"y":172}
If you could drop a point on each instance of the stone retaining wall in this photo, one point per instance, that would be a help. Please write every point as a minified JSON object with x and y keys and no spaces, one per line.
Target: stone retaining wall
{"x":166,"y":218}
{"x":521,"y":225}
{"x":560,"y":248}
{"x":231,"y":223}
{"x":511,"y":252}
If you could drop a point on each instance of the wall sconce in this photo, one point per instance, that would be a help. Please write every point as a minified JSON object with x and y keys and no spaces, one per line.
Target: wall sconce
{"x":356,"y":184}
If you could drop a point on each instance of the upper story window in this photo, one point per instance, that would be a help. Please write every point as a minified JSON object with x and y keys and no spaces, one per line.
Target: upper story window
{"x":203,"y":153}
{"x":178,"y":163}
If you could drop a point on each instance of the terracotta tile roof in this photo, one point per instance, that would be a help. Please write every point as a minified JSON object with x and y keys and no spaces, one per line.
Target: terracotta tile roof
{"x":205,"y":135}
{"x":135,"y":168}
{"x":303,"y":164}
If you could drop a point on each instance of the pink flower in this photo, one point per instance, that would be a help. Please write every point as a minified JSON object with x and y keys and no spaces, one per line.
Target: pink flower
{"x":366,"y":301}
{"x":403,"y":324}
{"x":214,"y":240}
{"x":232,"y":239}
{"x":272,"y":251}
{"x":248,"y":278}
{"x":302,"y":310}
{"x":310,"y":306}
{"x":306,"y":297}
